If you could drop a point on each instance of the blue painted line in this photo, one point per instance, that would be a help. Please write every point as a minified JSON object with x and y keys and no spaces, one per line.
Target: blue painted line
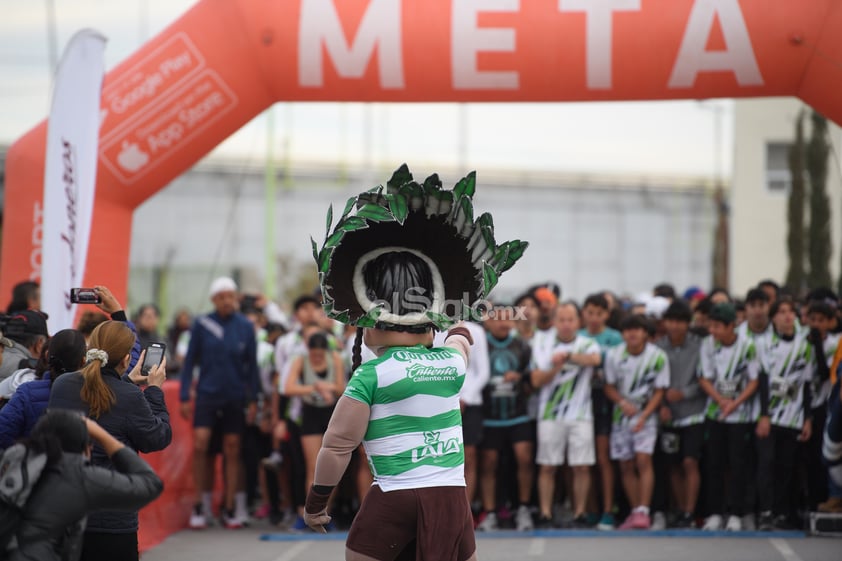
{"x":504,"y":534}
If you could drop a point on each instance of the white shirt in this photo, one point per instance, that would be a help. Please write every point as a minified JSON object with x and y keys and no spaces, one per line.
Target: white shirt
{"x":636,"y":377}
{"x":478,"y":371}
{"x":729,"y":368}
{"x":568,"y":395}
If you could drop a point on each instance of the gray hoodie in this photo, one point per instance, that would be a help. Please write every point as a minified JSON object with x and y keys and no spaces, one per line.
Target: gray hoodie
{"x":684,"y":363}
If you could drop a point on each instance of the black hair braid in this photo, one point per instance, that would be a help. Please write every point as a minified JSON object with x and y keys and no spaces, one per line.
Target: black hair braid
{"x":357,"y":355}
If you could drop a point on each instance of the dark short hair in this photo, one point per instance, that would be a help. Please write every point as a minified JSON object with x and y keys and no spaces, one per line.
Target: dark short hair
{"x":21,"y":293}
{"x":318,"y":340}
{"x":756,"y":295}
{"x":305,"y":299}
{"x":822,"y":293}
{"x":679,"y":310}
{"x":664,"y":289}
{"x":598,"y":300}
{"x":770,"y":283}
{"x":704,"y":306}
{"x":822,"y":308}
{"x":781,"y":302}
{"x":636,"y":321}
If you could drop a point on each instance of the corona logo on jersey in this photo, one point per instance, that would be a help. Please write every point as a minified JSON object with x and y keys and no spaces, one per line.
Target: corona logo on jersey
{"x":222,"y":63}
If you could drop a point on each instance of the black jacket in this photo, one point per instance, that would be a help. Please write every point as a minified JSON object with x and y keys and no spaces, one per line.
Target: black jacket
{"x":52,"y":522}
{"x":138,"y":419}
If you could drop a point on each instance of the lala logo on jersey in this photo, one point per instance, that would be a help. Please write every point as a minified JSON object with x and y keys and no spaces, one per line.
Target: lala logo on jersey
{"x":434,"y":448}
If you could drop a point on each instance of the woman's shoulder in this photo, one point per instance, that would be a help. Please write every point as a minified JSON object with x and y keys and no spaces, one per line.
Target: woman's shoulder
{"x":68,"y":382}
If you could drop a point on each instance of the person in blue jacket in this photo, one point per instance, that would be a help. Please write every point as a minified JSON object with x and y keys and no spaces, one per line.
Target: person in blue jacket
{"x":224,"y":349}
{"x":65,"y":353}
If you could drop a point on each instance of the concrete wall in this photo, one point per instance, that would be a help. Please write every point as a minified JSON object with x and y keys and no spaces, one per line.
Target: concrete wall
{"x":758,"y":216}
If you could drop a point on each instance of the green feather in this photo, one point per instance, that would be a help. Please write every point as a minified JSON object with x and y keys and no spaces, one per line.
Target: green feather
{"x":315,"y":250}
{"x":401,"y":176}
{"x":348,"y":206}
{"x":352,"y":223}
{"x":375,"y":213}
{"x":489,"y":278}
{"x":329,"y":218}
{"x":399,"y":206}
{"x":466,"y":186}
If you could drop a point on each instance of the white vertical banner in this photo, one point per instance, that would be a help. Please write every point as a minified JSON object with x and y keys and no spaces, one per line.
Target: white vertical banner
{"x":70,"y":173}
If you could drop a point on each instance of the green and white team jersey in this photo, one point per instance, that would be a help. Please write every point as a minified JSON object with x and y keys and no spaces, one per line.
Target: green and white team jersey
{"x":636,"y":377}
{"x":730,"y":369}
{"x":761,"y":342}
{"x":790,"y":365}
{"x":542,"y":343}
{"x":567,"y":397}
{"x":821,"y":390}
{"x":414,"y":436}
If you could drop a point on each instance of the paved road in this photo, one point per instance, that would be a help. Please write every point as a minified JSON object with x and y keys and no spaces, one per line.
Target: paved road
{"x":246,"y":545}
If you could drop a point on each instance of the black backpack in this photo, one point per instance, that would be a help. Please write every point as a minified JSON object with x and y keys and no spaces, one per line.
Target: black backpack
{"x":20,"y":469}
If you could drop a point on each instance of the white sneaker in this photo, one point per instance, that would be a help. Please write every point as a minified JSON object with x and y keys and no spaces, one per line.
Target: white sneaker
{"x":659,"y":521}
{"x":713,"y":523}
{"x":489,"y":523}
{"x":749,"y":525}
{"x":242,"y":516}
{"x":197,"y":519}
{"x":230,"y":520}
{"x":523,"y":519}
{"x":734,"y":524}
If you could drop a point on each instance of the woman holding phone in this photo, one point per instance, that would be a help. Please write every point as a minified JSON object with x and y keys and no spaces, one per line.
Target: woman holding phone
{"x":138,"y":419}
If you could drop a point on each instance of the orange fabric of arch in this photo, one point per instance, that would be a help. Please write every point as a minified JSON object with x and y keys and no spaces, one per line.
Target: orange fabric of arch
{"x":224,"y":61}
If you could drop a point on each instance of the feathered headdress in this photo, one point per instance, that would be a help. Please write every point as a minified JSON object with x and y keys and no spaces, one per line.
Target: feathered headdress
{"x":432,"y":233}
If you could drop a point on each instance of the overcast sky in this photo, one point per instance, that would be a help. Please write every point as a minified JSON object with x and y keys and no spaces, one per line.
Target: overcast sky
{"x":649,"y":138}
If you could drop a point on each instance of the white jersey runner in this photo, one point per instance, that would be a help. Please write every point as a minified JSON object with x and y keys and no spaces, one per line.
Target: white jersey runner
{"x":730,"y":369}
{"x":567,"y":397}
{"x":414,"y":436}
{"x":636,"y":377}
{"x":821,"y":390}
{"x":790,"y":365}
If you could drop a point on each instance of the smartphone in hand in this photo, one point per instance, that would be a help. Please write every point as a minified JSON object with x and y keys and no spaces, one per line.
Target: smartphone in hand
{"x":154,"y":355}
{"x":84,"y":296}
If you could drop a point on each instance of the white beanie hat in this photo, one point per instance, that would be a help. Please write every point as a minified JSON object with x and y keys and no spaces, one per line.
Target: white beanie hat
{"x":222,"y":284}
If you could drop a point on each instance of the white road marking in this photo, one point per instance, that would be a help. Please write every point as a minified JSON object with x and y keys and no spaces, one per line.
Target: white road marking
{"x":292,"y":553}
{"x":536,"y":546}
{"x":783,"y":548}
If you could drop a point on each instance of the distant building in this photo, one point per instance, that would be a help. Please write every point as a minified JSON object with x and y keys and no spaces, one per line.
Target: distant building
{"x":763,"y":131}
{"x":585,"y":232}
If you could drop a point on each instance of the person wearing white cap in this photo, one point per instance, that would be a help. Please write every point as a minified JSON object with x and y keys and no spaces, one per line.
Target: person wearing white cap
{"x":224,"y":348}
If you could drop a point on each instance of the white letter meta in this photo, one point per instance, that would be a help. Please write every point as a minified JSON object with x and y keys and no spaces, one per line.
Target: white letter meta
{"x":738,"y":56}
{"x":380,"y":27}
{"x":468,"y":39}
{"x":598,"y":34}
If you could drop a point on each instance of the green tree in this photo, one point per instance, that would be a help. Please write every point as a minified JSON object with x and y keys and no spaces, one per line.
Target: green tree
{"x":818,"y":241}
{"x":795,"y":242}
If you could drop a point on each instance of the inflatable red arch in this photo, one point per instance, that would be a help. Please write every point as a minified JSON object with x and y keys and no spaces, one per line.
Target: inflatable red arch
{"x":225,"y":61}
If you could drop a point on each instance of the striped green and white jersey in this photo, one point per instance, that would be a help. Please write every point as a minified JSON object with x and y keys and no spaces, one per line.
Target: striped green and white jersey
{"x":567,"y":397}
{"x":636,"y":377}
{"x":729,"y":369}
{"x":414,"y":435}
{"x":790,"y":365}
{"x":821,"y":390}
{"x":761,"y":341}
